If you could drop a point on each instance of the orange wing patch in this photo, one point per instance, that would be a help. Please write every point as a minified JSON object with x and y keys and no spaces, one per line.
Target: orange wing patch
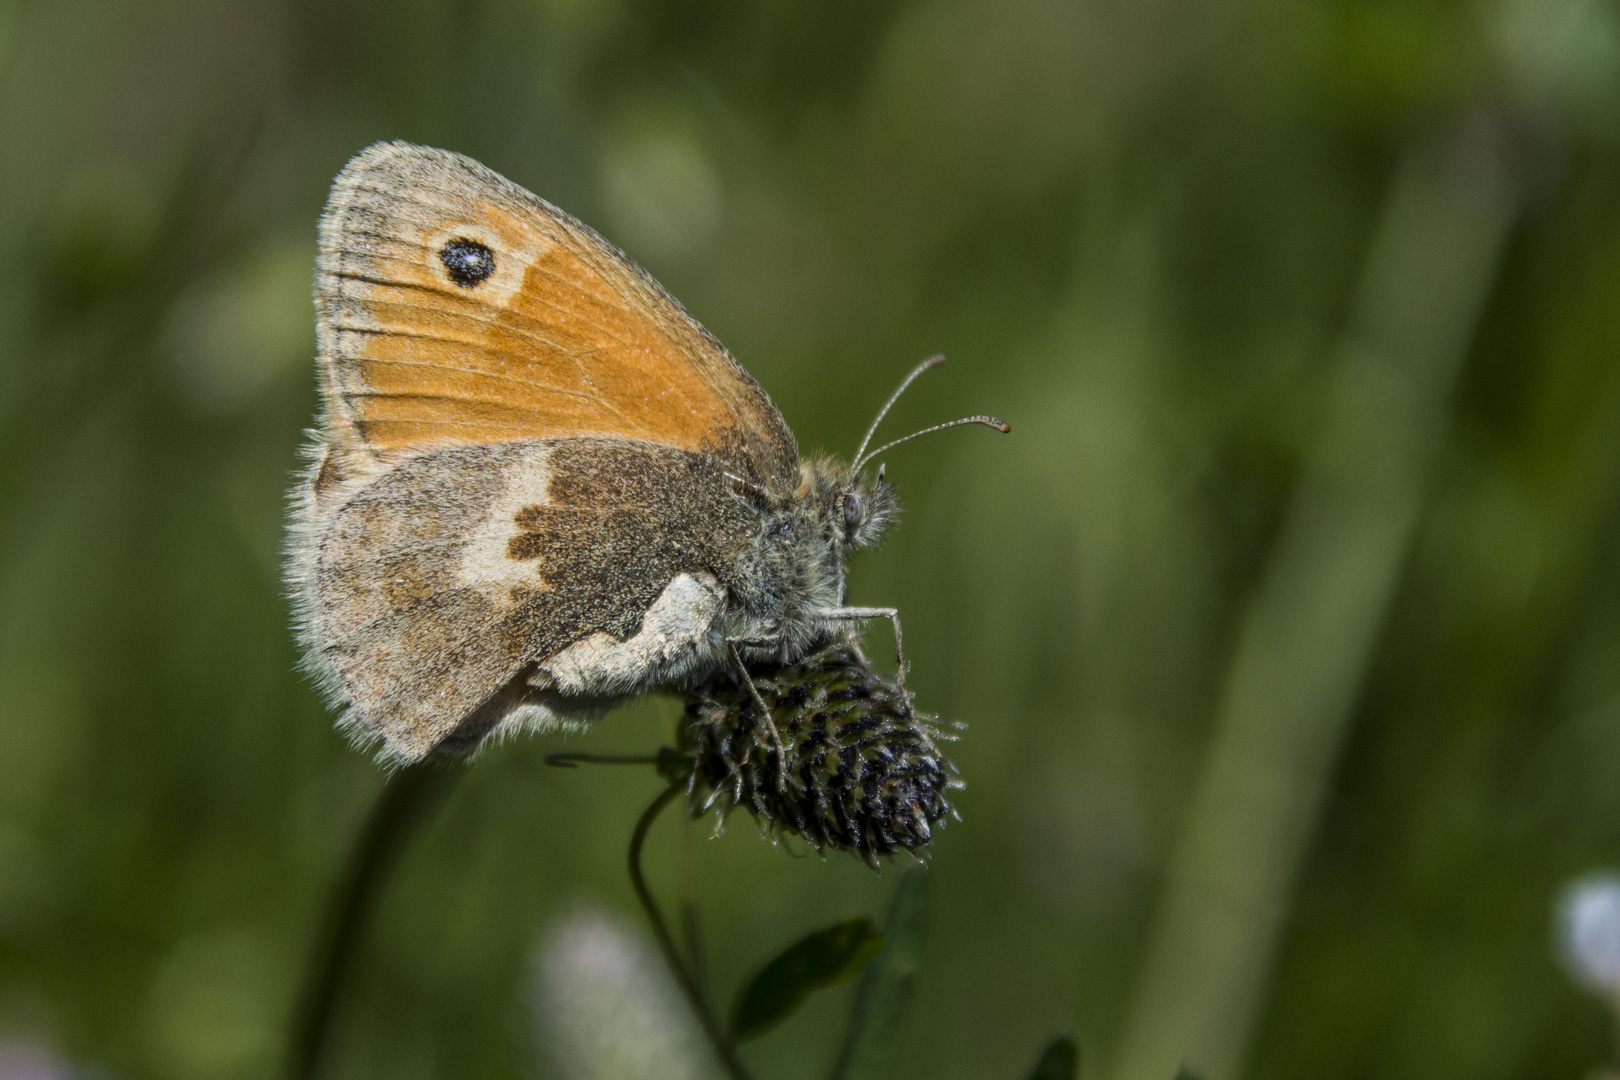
{"x":454,"y":307}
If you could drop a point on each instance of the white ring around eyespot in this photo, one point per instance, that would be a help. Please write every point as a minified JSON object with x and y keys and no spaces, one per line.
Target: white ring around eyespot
{"x":513,"y":257}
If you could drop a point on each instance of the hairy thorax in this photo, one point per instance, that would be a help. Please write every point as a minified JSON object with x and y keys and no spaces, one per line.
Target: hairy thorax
{"x":792,"y":574}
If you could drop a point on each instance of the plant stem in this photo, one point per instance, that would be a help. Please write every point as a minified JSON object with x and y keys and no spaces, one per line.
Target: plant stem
{"x":398,"y":808}
{"x":570,"y":760}
{"x":723,"y":1047}
{"x":691,"y":917}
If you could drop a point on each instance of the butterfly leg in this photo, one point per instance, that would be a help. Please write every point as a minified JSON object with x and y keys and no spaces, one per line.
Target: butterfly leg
{"x":861,"y":614}
{"x":764,"y":711}
{"x":852,"y":614}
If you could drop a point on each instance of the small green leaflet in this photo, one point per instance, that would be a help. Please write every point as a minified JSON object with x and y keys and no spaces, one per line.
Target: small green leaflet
{"x":822,"y":959}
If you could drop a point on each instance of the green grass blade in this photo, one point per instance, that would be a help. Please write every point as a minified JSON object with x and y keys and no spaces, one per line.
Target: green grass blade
{"x":884,"y":995}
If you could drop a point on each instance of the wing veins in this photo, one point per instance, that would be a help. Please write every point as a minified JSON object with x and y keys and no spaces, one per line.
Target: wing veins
{"x":411,"y":395}
{"x":475,"y":372}
{"x":516,"y":316}
{"x":614,"y":409}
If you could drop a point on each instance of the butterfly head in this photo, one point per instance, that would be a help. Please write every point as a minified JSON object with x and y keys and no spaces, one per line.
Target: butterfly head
{"x":866,"y":510}
{"x":861,"y":510}
{"x":852,"y":510}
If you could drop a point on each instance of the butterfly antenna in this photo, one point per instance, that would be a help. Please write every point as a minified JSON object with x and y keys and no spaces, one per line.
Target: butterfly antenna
{"x":932,"y":361}
{"x":988,"y":421}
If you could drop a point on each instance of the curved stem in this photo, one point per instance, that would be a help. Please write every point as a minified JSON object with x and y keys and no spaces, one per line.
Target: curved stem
{"x":691,"y":917}
{"x":672,"y":764}
{"x":570,"y":760}
{"x":398,"y":808}
{"x":723,"y":1047}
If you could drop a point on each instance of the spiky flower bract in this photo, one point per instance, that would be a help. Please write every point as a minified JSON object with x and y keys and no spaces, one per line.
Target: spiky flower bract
{"x":860,"y":770}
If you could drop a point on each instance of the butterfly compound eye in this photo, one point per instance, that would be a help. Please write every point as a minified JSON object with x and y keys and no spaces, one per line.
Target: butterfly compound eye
{"x":852,"y":511}
{"x":467,"y":261}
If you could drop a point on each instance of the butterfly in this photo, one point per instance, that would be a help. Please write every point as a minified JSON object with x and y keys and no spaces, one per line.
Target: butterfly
{"x":537,"y":486}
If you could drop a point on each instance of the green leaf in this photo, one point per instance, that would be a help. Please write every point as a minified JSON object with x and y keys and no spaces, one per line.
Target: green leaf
{"x":822,"y":959}
{"x":1059,"y":1061}
{"x":1185,"y":1073}
{"x":883,"y":997}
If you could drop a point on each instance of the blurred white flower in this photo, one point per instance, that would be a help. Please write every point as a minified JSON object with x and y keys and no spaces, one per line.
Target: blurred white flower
{"x":1589,"y":931}
{"x":606,"y":1008}
{"x":26,"y":1059}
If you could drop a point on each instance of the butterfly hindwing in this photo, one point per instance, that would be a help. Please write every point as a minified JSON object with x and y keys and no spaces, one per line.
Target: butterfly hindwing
{"x":473,"y":586}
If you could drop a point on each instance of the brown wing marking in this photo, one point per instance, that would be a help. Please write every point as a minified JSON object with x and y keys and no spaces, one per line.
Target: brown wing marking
{"x":566,"y":337}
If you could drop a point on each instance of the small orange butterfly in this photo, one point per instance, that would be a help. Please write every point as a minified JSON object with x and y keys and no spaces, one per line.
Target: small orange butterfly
{"x":538,"y":486}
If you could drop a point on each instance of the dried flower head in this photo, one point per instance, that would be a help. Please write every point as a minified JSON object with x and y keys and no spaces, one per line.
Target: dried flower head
{"x":860,"y":770}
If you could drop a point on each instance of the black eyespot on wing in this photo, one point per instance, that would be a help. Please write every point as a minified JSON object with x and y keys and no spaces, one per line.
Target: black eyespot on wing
{"x":467,"y":261}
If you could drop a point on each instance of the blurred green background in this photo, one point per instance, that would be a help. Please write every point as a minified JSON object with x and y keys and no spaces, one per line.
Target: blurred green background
{"x":1286,"y":624}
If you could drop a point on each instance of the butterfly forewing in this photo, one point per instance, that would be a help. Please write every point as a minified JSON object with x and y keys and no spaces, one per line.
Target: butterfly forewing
{"x":453,"y":307}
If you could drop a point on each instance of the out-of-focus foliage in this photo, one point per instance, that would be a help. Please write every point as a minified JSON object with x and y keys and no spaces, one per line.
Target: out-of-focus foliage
{"x":1140,"y":231}
{"x":1060,"y":1060}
